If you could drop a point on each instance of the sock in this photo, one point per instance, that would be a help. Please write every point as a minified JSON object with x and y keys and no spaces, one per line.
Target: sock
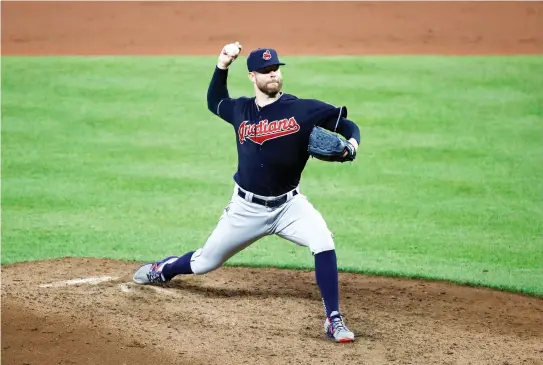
{"x":327,"y":280}
{"x":178,"y":267}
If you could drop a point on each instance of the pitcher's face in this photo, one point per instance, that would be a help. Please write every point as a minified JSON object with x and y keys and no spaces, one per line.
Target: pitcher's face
{"x":268,"y":80}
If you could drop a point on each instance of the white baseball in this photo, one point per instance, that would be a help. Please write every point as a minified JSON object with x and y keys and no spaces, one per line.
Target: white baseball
{"x":232,"y":50}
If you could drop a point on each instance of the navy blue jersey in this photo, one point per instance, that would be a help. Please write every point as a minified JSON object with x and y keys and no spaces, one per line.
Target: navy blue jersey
{"x":272,"y":140}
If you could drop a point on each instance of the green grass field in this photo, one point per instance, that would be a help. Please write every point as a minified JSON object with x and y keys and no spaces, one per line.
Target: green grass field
{"x":119,"y":158}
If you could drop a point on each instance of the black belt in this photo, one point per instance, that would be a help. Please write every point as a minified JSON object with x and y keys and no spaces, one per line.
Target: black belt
{"x":268,"y":203}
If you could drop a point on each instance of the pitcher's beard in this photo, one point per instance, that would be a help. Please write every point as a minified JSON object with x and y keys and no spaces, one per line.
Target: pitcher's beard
{"x":271,"y":88}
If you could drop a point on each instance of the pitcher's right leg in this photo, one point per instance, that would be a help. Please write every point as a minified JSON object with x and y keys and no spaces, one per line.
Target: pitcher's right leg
{"x":304,"y":225}
{"x":240,"y":225}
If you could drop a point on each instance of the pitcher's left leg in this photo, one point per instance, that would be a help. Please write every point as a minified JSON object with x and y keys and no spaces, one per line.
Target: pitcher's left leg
{"x":301,"y":223}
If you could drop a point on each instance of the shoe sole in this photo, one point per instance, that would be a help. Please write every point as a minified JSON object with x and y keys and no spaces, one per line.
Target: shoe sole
{"x":341,"y":340}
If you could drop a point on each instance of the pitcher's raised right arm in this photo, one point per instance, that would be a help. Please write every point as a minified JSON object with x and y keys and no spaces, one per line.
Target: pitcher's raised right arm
{"x":218,"y":99}
{"x":217,"y":93}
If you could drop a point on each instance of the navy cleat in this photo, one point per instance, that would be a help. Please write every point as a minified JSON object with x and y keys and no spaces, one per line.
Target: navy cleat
{"x":336,"y":329}
{"x":151,"y":273}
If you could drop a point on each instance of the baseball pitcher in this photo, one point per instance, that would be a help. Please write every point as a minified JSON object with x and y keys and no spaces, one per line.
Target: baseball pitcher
{"x":276,"y":133}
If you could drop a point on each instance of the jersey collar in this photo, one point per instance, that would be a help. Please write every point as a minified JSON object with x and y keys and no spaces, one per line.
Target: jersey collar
{"x":258,"y":107}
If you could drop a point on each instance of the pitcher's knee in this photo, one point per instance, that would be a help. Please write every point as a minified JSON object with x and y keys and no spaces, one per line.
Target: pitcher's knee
{"x":324,"y":243}
{"x":200,"y":263}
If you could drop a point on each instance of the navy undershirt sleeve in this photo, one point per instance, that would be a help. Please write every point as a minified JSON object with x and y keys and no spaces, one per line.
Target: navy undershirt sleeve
{"x":218,"y":99}
{"x":348,"y":129}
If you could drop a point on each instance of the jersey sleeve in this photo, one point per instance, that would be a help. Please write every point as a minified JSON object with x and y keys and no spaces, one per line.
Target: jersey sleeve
{"x":226,"y":109}
{"x":325,"y":115}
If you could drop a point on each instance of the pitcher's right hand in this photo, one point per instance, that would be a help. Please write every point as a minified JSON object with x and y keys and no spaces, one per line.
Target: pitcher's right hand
{"x":228,"y":54}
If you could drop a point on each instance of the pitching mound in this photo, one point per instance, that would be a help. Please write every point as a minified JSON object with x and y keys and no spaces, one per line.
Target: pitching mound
{"x":250,"y":316}
{"x":87,"y":311}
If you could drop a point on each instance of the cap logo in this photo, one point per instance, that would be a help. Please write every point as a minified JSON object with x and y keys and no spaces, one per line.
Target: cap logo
{"x":266,"y":55}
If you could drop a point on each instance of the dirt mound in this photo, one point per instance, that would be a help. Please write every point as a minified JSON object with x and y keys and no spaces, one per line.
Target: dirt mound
{"x":247,"y":316}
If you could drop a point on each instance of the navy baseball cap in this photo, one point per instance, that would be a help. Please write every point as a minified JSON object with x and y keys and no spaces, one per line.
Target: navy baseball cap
{"x":261,"y":58}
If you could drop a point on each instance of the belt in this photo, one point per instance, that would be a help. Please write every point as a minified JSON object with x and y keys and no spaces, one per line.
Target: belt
{"x":268,"y":203}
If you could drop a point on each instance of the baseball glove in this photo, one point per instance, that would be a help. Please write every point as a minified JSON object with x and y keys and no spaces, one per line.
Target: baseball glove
{"x":329,"y":146}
